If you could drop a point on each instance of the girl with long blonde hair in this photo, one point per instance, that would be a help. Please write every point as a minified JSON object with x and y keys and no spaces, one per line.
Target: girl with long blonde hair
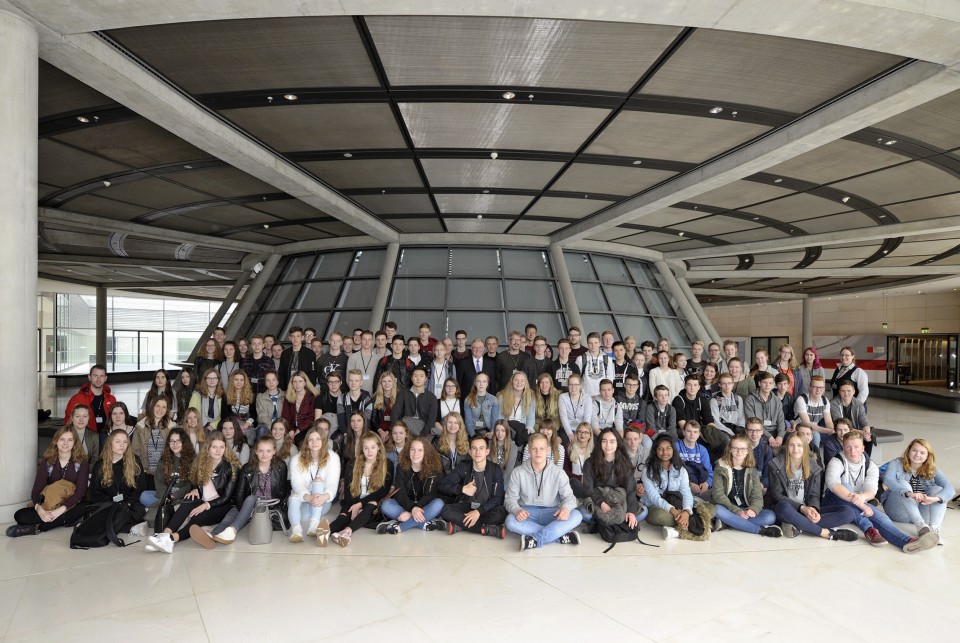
{"x":370,"y":482}
{"x":518,"y":407}
{"x":314,"y":477}
{"x":453,"y":444}
{"x":917,"y":491}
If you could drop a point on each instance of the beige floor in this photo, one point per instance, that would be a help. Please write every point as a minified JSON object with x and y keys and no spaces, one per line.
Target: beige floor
{"x":432,"y":587}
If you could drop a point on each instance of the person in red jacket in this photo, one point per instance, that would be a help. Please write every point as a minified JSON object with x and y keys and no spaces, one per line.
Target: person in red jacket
{"x":95,"y":394}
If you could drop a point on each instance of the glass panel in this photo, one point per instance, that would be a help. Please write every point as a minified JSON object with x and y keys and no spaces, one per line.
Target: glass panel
{"x":474,"y":293}
{"x":315,"y":320}
{"x":525,"y":263}
{"x":589,"y":297}
{"x":282,"y":297}
{"x":298,"y":268}
{"x":536,"y":295}
{"x":550,"y":325}
{"x":597,"y":323}
{"x":578,"y":265}
{"x":611,"y":269}
{"x":418,"y":293}
{"x":367,"y":263}
{"x":269,"y":324}
{"x":408,"y":321}
{"x":319,"y":294}
{"x":672,"y":330}
{"x":141,"y":314}
{"x":123,"y":354}
{"x":151,"y":351}
{"x":479,"y":324}
{"x":656,"y":302}
{"x":624,"y":298}
{"x":640,"y":328}
{"x":475,"y":262}
{"x":345,"y":321}
{"x":359,"y":293}
{"x":642,"y":274}
{"x":332,"y":265}
{"x":424,"y":261}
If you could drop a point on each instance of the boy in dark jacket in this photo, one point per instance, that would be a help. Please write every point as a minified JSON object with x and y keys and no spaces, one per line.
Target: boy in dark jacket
{"x":478,"y":490}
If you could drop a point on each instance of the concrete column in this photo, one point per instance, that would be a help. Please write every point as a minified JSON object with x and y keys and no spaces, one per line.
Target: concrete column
{"x":703,"y":316}
{"x":806,"y":326}
{"x":673,"y":287}
{"x":383,"y":288}
{"x":18,"y":247}
{"x":250,"y":297}
{"x":101,"y":325}
{"x":221,"y":311}
{"x":567,"y":296}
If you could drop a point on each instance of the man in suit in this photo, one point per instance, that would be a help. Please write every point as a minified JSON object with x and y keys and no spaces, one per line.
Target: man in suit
{"x":477,"y":362}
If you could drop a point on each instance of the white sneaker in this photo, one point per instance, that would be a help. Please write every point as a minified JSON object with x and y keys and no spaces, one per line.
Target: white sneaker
{"x":670,"y":532}
{"x":163,"y":542}
{"x":150,"y":547}
{"x":140,"y":529}
{"x":296,"y":534}
{"x":227,"y":536}
{"x":312,"y":528}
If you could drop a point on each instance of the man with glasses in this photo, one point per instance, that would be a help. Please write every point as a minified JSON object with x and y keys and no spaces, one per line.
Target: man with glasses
{"x":848,"y":371}
{"x":762,"y":453}
{"x":812,"y":409}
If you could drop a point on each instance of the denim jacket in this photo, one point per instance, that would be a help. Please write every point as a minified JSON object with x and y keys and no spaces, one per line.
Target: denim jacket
{"x":489,"y":409}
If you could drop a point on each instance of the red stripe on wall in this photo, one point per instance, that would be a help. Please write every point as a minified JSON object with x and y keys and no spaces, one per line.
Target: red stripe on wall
{"x":867,"y":365}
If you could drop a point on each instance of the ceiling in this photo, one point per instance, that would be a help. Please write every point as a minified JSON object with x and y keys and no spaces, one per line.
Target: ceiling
{"x":772,"y":162}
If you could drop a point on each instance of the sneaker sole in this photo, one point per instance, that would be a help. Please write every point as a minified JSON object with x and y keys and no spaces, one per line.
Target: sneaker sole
{"x":222,"y":541}
{"x":202,"y":538}
{"x":296,"y":538}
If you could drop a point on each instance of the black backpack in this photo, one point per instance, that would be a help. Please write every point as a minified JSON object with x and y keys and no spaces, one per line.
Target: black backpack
{"x":101,"y":524}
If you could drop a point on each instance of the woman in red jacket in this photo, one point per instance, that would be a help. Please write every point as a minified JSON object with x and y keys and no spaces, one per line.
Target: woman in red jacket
{"x":298,"y":404}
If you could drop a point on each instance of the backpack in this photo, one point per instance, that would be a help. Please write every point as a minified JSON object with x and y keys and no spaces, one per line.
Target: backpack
{"x":611,"y":525}
{"x":100,"y":526}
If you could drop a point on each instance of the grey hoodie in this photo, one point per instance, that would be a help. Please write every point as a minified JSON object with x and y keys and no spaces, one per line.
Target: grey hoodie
{"x":539,"y":490}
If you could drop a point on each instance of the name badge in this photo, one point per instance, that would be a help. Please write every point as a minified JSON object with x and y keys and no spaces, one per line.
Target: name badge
{"x":99,"y":420}
{"x":367,"y":376}
{"x":118,"y":497}
{"x":474,"y":505}
{"x":767,"y":423}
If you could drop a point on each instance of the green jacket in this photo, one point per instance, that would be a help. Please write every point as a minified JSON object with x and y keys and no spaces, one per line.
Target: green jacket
{"x":723,"y":483}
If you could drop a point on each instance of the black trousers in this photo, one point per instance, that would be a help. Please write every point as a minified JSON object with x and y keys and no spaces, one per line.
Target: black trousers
{"x":29,"y":516}
{"x":212,"y":516}
{"x":366,"y":516}
{"x":455,"y":513}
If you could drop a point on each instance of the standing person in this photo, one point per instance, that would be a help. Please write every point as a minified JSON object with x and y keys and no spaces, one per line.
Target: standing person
{"x":743,"y":385}
{"x":531,"y":499}
{"x":632,"y":406}
{"x":503,"y":452}
{"x":368,"y":484}
{"x":576,"y":408}
{"x":492,"y":345}
{"x":512,"y":361}
{"x":229,"y":365}
{"x":594,"y":366}
{"x":761,"y":364}
{"x":696,"y":363}
{"x":709,"y":381}
{"x":214,"y":478}
{"x":477,"y":489}
{"x":661,"y":416}
{"x":809,"y":367}
{"x":848,"y":371}
{"x":416,"y":502}
{"x":714,"y":357}
{"x":606,"y":411}
{"x":59,"y":488}
{"x":557,"y":454}
{"x":208,"y":398}
{"x":794,"y":495}
{"x":726,"y":408}
{"x":481,"y":409}
{"x":96,"y":396}
{"x":354,"y":400}
{"x":576,"y":350}
{"x":365,"y":361}
{"x":609,"y":466}
{"x":390,"y":403}
{"x":424,"y":339}
{"x":847,"y":406}
{"x":333,"y":361}
{"x":540,"y":361}
{"x":518,"y":408}
{"x":738,"y":494}
{"x":787,"y":365}
{"x":425,"y":404}
{"x":209,"y":357}
{"x":191,"y":426}
{"x":395,"y":363}
{"x":257,"y":364}
{"x":917,"y":491}
{"x":299,"y":405}
{"x":564,"y":366}
{"x":296,"y":359}
{"x":852,"y":481}
{"x":460,"y":350}
{"x":439,"y":370}
{"x":236,"y":443}
{"x":183,"y":390}
{"x":159,"y":388}
{"x":621,"y":367}
{"x":764,"y":404}
{"x":449,"y":402}
{"x":381,"y":348}
{"x":243,"y":348}
{"x":469,"y":368}
{"x":548,"y":400}
{"x":666,"y":375}
{"x":314,"y":478}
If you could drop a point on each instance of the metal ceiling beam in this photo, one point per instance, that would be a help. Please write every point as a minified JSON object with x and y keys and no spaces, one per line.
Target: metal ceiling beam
{"x":873,"y":233}
{"x":132,"y":261}
{"x":829,"y":273}
{"x":75,"y":219}
{"x":207,"y":283}
{"x":911,"y":85}
{"x":747,"y":294}
{"x":104,"y":67}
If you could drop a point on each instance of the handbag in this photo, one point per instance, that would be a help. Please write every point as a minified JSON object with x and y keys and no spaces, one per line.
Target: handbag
{"x":261,"y":524}
{"x":696,"y":525}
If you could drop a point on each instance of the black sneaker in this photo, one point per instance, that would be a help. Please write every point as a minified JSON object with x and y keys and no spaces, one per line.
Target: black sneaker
{"x":453,"y":528}
{"x":388,"y":527}
{"x":437,"y":524}
{"x":789,"y":531}
{"x":771,"y":532}
{"x":571,"y":538}
{"x":495,"y":531}
{"x":847,"y":535}
{"x":716,"y":525}
{"x":527,"y":542}
{"x":15,"y":531}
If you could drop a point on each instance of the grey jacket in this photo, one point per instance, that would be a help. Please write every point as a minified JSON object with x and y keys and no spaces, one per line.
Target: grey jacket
{"x":771,"y":412}
{"x":539,"y":489}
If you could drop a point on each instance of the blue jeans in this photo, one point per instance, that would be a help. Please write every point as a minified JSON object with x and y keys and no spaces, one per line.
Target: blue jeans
{"x":147,"y":498}
{"x":830,"y":517}
{"x":588,"y":517}
{"x":542,"y":524}
{"x":392,"y":510}
{"x":909,"y":510}
{"x":237,"y":517}
{"x":765,"y":518}
{"x":313,"y":513}
{"x":879,"y":520}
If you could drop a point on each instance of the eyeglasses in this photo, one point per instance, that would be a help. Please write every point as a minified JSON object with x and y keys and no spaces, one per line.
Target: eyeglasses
{"x":175,"y":441}
{"x":739,"y":449}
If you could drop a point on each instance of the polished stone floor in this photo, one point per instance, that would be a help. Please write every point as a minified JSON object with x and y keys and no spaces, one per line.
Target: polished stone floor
{"x":433,"y":587}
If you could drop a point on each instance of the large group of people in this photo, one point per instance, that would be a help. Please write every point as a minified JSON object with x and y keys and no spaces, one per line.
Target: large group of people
{"x":382,"y":431}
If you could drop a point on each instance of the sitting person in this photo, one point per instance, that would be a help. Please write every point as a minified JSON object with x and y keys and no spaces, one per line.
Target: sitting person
{"x":481,"y":409}
{"x":263,"y":478}
{"x":191,"y":425}
{"x":557,"y":453}
{"x":661,"y":416}
{"x":214,"y":478}
{"x":833,"y":445}
{"x":812,"y":409}
{"x":518,"y":407}
{"x":369,"y":484}
{"x":171,"y":477}
{"x":578,"y":453}
{"x":236,"y":442}
{"x":917,"y":491}
{"x":283,"y":441}
{"x":80,"y":422}
{"x":59,"y":488}
{"x":416,"y":502}
{"x":396,"y":443}
{"x":726,"y":408}
{"x":314,"y":479}
{"x":120,"y":418}
{"x":852,"y":480}
{"x":241,"y":404}
{"x":846,"y":405}
{"x":118,"y":477}
{"x":478,"y":490}
{"x":531,"y":499}
{"x":762,"y":452}
{"x":738,"y":494}
{"x":606,"y":411}
{"x":782,"y":391}
{"x":764,"y":404}
{"x":149,"y":437}
{"x":696,"y":460}
{"x":609,"y":466}
{"x":633,"y":444}
{"x":665,"y":482}
{"x":575,"y":407}
{"x":269,"y":403}
{"x":794,"y":495}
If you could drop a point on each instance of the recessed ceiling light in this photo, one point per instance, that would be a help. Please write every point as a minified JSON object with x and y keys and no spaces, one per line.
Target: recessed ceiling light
{"x":845,"y":199}
{"x":530,"y":96}
{"x":716,"y":110}
{"x":83,"y":119}
{"x":486,"y":191}
{"x":509,"y":95}
{"x":348,"y":155}
{"x":882,"y":216}
{"x":479,"y":216}
{"x":586,"y":196}
{"x":792,"y":230}
{"x":188,"y":167}
{"x":494,"y":155}
{"x":680,"y":233}
{"x":756,"y":218}
{"x":106,"y":184}
{"x":290,"y":96}
{"x":269,"y":99}
{"x":637,"y":162}
{"x":892,"y":141}
{"x":885,"y":251}
{"x":801,"y":283}
{"x":266,"y":225}
{"x":747,"y":260}
{"x":778,"y":180}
